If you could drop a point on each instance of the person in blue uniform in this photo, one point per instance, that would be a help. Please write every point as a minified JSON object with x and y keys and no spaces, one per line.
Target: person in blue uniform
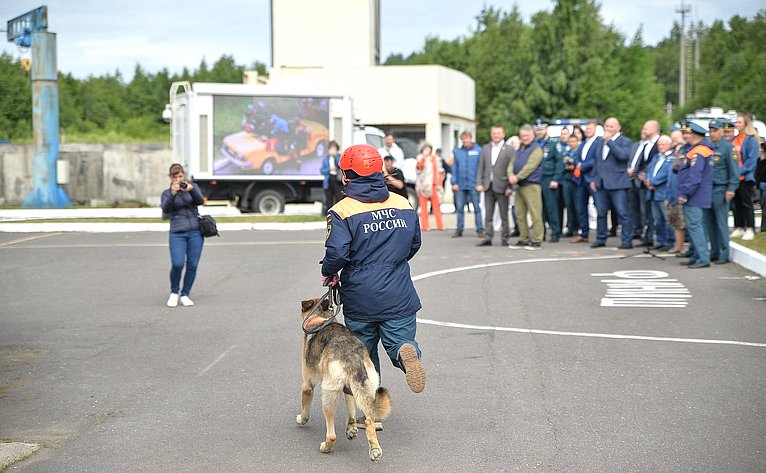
{"x":695,"y":193}
{"x":371,"y":236}
{"x":725,"y":184}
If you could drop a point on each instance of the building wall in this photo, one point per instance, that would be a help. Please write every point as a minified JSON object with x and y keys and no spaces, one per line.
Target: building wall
{"x":307,"y":33}
{"x":436,"y":98}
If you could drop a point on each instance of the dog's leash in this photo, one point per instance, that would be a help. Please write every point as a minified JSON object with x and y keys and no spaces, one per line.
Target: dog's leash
{"x":333,"y":296}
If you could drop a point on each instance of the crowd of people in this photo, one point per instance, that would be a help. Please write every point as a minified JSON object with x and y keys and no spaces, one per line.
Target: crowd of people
{"x":659,"y":191}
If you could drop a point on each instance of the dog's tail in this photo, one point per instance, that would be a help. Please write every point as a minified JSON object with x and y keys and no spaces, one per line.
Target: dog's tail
{"x":373,"y":400}
{"x":377,"y":404}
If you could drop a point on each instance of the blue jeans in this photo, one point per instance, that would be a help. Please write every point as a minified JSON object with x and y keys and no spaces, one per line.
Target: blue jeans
{"x":695,"y":229}
{"x":462,"y":197}
{"x":617,"y":198}
{"x":717,"y":224}
{"x":185,"y":249}
{"x":393,"y":333}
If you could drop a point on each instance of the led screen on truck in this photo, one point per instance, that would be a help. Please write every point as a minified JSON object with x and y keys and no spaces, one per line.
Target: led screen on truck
{"x":270,"y":135}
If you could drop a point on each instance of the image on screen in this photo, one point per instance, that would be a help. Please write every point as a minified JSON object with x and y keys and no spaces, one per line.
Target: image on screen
{"x":270,"y":135}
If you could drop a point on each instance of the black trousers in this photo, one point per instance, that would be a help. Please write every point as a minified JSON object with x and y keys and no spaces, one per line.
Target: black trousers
{"x":744,"y":213}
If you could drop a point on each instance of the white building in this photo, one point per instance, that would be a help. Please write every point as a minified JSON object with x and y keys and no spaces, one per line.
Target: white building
{"x":336,"y":44}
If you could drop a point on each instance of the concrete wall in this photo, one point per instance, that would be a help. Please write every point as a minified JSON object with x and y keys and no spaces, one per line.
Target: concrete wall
{"x":109,"y":172}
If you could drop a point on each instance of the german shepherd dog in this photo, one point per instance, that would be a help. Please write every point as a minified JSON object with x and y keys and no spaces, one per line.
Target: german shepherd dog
{"x":337,"y":361}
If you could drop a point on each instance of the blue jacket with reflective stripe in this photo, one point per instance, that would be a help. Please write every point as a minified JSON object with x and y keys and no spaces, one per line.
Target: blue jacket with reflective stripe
{"x":371,"y":236}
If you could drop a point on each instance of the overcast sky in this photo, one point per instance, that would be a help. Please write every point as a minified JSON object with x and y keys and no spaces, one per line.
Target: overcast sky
{"x":96,"y":37}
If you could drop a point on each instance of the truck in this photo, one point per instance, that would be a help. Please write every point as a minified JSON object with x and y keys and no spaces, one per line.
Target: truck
{"x":257,"y":145}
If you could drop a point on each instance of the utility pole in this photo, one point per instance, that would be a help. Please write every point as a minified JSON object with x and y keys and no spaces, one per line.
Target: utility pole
{"x":682,"y":64}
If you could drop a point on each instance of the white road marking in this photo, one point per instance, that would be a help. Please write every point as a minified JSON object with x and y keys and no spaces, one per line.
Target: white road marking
{"x":643,"y":288}
{"x":505,"y":263}
{"x":220,"y":357}
{"x":557,"y":332}
{"x":589,"y":335}
{"x":33,"y":237}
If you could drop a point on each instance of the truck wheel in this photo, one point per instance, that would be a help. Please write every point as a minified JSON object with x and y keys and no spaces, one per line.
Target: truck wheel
{"x":268,"y":202}
{"x":269,"y":166}
{"x":412,"y":196}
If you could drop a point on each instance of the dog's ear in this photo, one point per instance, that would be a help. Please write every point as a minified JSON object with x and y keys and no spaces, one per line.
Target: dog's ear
{"x":306,"y":305}
{"x":325,"y":304}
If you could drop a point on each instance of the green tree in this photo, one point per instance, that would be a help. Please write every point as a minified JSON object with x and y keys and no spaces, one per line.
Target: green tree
{"x":731,"y":68}
{"x":15,"y":100}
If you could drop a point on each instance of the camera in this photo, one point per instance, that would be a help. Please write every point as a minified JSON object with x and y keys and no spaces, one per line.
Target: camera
{"x":183,"y":185}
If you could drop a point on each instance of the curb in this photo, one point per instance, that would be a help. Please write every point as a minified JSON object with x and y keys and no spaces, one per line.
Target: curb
{"x":147,"y":227}
{"x":748,"y":258}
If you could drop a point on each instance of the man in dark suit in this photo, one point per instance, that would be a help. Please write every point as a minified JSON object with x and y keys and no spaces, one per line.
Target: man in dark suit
{"x":639,"y":206}
{"x":612,"y":183}
{"x":584,"y":174}
{"x":492,"y":180}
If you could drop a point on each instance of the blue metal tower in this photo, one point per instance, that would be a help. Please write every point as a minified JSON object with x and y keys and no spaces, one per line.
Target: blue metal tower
{"x":31,"y":30}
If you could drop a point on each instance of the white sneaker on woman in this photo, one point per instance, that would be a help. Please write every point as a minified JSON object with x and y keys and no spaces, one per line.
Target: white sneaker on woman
{"x":173,"y":300}
{"x":738,"y":232}
{"x":186,"y":302}
{"x":749,"y":234}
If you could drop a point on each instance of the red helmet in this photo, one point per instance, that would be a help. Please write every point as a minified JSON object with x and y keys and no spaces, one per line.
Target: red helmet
{"x":362,"y":159}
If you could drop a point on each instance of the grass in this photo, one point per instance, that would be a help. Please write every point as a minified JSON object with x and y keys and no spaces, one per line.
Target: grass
{"x":758,"y":244}
{"x":247,"y":218}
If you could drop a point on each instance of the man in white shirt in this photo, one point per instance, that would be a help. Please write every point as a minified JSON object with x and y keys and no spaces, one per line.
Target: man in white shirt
{"x":639,"y":207}
{"x":492,"y":180}
{"x":393,"y":150}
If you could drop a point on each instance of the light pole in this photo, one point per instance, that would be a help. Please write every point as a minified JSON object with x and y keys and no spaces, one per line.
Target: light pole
{"x":682,"y":64}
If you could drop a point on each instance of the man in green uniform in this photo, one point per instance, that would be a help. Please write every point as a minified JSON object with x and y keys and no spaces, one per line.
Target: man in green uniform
{"x":552,"y":169}
{"x":725,"y":183}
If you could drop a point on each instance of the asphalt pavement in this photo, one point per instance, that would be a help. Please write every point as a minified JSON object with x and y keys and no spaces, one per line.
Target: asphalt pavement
{"x":563,"y":359}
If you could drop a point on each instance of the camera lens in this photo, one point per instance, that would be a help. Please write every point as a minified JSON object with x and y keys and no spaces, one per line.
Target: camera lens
{"x":182,"y":184}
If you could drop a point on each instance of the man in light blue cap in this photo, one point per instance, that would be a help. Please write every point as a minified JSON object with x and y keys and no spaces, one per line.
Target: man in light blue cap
{"x":694,"y":190}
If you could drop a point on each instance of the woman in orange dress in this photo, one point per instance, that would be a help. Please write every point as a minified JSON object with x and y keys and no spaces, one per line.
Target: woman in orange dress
{"x":429,"y":187}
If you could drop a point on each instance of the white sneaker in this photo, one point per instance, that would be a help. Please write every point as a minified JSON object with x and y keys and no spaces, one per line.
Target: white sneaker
{"x":173,"y":300}
{"x":186,"y":302}
{"x":737,"y":233}
{"x":749,"y":234}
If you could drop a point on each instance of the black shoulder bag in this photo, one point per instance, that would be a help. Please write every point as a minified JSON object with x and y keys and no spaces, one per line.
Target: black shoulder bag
{"x":207,"y":226}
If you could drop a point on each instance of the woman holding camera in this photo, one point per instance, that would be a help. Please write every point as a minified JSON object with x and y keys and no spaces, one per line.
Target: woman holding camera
{"x":180,"y":203}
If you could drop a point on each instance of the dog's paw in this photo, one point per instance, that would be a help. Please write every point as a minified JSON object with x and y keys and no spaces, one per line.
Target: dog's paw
{"x":351,"y":432}
{"x":324,"y":448}
{"x":376,"y":453}
{"x":301,"y":420}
